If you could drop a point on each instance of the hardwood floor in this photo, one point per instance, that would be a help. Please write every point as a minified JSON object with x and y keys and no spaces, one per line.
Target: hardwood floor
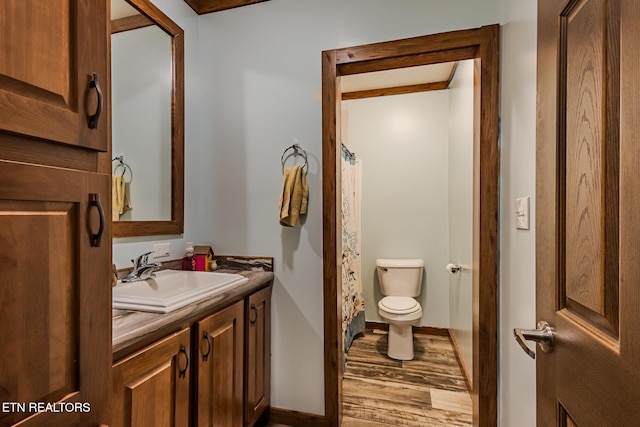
{"x":427,"y":391}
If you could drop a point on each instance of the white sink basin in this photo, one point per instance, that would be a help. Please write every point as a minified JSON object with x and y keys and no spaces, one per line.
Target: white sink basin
{"x":172,"y":289}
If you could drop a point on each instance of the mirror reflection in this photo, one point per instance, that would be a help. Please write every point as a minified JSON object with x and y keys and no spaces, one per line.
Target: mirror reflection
{"x":147,"y":120}
{"x":141,"y":70}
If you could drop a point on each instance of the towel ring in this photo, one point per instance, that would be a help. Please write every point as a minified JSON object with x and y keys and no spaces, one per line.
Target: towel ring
{"x":122,"y":164}
{"x":297,"y":151}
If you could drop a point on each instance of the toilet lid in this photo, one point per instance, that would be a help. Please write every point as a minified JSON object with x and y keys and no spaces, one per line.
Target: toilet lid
{"x":399,"y":305}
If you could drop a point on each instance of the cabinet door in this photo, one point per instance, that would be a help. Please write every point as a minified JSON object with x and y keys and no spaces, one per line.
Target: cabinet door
{"x":49,"y":52}
{"x":55,"y":293}
{"x":151,"y":387}
{"x":258,"y":355}
{"x":219,"y":377}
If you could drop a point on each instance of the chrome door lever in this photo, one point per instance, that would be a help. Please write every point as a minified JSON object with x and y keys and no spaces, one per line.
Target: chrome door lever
{"x":543,"y":336}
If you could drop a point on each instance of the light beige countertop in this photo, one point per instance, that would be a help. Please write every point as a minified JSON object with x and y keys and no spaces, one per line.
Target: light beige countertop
{"x":132,"y":330}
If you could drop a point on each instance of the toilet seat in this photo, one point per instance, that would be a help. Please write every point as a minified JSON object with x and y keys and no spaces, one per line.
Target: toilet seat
{"x":399,"y":305}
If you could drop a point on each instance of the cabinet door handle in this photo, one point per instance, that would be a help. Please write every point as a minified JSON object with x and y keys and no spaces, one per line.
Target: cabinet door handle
{"x":205,"y":337}
{"x":253,"y":316}
{"x":183,"y":371}
{"x":94,"y":201}
{"x":95,"y":117}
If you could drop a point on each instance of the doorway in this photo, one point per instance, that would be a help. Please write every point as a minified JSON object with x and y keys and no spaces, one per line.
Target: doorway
{"x":481,"y":45}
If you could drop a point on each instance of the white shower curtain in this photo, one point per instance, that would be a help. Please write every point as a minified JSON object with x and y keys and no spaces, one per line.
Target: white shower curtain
{"x":353,"y":318}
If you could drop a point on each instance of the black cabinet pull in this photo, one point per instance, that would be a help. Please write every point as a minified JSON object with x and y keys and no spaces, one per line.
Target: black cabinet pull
{"x":183,"y":371}
{"x":205,"y":337}
{"x":95,"y":117}
{"x":253,"y":316}
{"x":94,"y":201}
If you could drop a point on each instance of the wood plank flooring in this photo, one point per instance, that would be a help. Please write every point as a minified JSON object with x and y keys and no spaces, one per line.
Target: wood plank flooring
{"x":427,"y":391}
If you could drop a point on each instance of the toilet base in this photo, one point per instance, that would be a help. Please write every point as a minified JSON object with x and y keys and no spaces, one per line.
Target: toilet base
{"x":400,"y":346}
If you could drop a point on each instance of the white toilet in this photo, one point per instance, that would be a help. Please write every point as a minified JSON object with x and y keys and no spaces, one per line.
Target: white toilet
{"x":400,"y":281}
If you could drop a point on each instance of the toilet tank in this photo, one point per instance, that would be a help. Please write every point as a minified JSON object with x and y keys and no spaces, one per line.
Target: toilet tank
{"x":400,"y":277}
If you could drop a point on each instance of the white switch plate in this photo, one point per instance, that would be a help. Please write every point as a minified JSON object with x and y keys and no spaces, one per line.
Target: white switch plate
{"x":522,"y":213}
{"x":161,"y":250}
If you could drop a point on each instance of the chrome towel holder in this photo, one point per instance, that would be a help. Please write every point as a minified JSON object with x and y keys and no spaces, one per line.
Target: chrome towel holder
{"x":297,"y":151}
{"x":122,"y":164}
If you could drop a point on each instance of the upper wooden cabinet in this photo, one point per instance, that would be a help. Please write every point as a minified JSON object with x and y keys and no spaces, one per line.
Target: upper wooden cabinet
{"x":49,"y":54}
{"x":208,"y":6}
{"x":55,"y":240}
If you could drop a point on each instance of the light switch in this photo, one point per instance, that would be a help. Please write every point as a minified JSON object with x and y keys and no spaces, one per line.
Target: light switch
{"x":522,"y":213}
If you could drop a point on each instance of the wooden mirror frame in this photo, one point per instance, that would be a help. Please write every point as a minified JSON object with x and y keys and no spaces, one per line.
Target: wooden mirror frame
{"x":176,"y":224}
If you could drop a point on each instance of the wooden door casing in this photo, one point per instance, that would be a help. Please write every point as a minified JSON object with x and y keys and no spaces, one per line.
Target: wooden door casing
{"x":587,"y":233}
{"x":48,"y":54}
{"x":219,"y":376}
{"x":151,"y":387}
{"x":53,"y":288}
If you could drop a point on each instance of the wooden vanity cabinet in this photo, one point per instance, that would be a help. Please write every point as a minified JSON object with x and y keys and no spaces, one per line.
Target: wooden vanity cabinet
{"x":229,"y":361}
{"x":55,"y":323}
{"x":151,"y":387}
{"x":257,"y":355}
{"x":220,"y":368}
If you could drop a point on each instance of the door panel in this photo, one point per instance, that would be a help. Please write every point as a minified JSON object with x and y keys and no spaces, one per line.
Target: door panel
{"x":151,"y":387}
{"x":53,"y":288}
{"x":48,"y":54}
{"x":258,"y":356}
{"x":589,"y":76}
{"x":220,"y":366}
{"x":587,"y":243}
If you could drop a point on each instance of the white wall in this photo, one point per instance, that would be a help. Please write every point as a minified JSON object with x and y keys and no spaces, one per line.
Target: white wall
{"x":260,"y":92}
{"x":517,"y":179}
{"x":261,"y":73}
{"x":403,"y":143}
{"x":461,"y":209}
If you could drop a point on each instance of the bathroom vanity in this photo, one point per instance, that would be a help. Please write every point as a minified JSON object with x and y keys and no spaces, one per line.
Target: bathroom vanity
{"x":205,"y":364}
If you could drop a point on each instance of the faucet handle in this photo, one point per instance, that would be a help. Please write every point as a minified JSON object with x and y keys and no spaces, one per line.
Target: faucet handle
{"x":141,"y":260}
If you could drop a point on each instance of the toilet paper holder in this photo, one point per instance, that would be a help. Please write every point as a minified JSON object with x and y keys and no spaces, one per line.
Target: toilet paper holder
{"x":454,"y":268}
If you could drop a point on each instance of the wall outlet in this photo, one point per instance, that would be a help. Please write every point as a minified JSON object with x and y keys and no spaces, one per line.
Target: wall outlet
{"x":161,"y":250}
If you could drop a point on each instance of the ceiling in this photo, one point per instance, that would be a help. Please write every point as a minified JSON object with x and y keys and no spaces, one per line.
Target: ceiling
{"x":121,"y":9}
{"x":398,"y":77}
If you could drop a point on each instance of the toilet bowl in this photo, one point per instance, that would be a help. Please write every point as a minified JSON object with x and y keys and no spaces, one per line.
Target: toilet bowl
{"x":400,"y":281}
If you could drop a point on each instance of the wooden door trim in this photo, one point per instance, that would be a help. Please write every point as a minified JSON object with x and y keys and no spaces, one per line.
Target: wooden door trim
{"x":481,"y":44}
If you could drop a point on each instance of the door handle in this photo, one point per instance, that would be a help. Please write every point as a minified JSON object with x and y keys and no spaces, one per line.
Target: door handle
{"x":95,"y":117}
{"x":205,"y":337}
{"x":543,"y":335}
{"x":94,"y":201}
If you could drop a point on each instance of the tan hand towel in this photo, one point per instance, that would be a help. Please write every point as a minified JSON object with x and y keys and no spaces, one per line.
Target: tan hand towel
{"x":117,"y":196}
{"x":294,"y":199}
{"x":120,"y":202}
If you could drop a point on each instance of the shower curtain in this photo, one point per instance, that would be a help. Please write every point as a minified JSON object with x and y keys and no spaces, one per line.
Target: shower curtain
{"x":353,"y":318}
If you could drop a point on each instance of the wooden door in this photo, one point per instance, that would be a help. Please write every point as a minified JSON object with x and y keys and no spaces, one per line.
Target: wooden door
{"x":49,"y":52}
{"x":55,"y":315}
{"x":151,"y":387}
{"x":258,"y":355}
{"x":588,"y":227}
{"x":220,"y":365}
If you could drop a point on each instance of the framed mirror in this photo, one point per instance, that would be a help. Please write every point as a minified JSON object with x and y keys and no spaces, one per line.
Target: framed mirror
{"x":147,"y":120}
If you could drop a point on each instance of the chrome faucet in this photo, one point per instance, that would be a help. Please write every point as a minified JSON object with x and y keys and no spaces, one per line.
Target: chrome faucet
{"x":142,"y":269}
